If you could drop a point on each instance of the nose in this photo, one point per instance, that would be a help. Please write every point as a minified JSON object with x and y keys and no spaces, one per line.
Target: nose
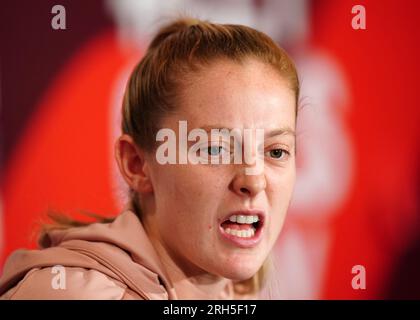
{"x":246,"y":185}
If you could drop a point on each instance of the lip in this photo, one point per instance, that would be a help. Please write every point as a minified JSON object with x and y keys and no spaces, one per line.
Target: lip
{"x":244,"y":242}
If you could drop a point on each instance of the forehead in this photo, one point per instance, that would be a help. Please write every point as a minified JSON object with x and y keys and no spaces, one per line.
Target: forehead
{"x":249,"y":94}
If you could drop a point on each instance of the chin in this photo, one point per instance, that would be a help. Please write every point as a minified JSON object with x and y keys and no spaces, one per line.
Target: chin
{"x":240,"y":275}
{"x":240,"y":271}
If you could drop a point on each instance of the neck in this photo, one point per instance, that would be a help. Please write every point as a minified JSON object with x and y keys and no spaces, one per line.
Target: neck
{"x":192,"y":282}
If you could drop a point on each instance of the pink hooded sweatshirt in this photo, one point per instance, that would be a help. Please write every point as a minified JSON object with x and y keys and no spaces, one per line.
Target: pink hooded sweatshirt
{"x":101,"y":261}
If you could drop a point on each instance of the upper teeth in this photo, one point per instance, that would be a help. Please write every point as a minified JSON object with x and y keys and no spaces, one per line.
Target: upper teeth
{"x":243,"y":219}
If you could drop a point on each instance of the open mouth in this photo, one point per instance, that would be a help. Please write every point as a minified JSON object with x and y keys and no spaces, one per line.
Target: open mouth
{"x":243,"y":226}
{"x":243,"y":229}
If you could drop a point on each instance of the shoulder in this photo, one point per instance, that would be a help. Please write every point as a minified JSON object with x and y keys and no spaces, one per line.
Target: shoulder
{"x":58,"y":282}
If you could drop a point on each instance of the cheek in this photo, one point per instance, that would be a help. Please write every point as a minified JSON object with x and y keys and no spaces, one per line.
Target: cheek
{"x":173,"y":181}
{"x":280,"y":183}
{"x":191,"y":191}
{"x":200,"y":182}
{"x":279,"y":193}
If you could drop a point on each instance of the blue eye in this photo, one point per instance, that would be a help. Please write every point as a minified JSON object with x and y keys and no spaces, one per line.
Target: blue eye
{"x":214,"y":150}
{"x":277,"y":153}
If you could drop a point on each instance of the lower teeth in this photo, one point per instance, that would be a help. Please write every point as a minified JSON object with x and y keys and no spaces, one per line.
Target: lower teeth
{"x":241,"y":233}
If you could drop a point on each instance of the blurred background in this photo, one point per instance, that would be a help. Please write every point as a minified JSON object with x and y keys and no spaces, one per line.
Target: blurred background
{"x":357,"y":195}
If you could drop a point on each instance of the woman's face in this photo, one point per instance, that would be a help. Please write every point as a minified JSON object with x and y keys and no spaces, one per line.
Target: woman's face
{"x":195,"y":203}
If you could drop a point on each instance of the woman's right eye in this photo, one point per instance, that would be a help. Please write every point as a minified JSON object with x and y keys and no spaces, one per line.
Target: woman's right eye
{"x":214,"y":150}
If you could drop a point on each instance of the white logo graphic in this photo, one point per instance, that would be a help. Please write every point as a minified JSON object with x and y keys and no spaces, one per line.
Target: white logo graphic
{"x":59,"y":280}
{"x":59,"y":20}
{"x":359,"y":280}
{"x":359,"y":20}
{"x":215,"y":149}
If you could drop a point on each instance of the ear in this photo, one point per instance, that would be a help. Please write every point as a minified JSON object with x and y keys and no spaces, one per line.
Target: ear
{"x":132,"y":164}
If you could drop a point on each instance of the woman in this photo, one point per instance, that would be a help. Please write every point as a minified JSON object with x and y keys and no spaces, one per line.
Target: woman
{"x":194,"y":229}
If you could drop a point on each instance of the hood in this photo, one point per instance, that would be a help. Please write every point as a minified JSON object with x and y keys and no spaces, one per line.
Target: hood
{"x":120,"y":249}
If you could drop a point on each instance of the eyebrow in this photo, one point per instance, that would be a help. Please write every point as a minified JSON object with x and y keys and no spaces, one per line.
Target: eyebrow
{"x":281,"y":131}
{"x":275,"y":132}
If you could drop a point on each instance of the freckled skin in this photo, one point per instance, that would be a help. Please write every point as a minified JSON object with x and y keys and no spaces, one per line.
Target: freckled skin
{"x":189,"y":199}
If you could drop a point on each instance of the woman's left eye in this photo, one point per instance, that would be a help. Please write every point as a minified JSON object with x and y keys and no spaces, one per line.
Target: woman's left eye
{"x":276,"y":153}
